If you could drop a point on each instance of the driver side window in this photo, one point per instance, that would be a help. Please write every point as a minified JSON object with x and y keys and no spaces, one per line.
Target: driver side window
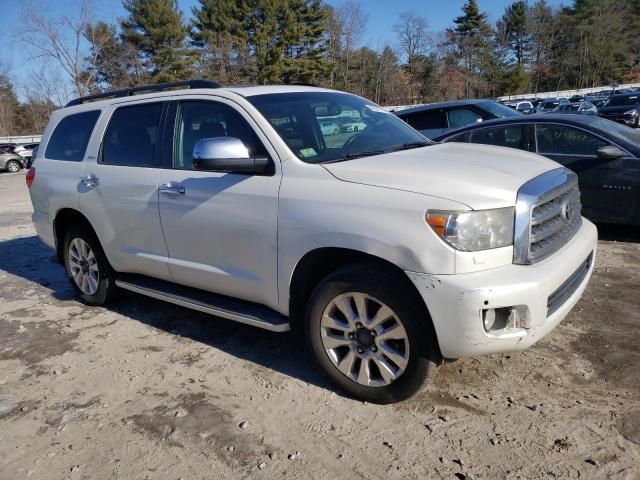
{"x":207,"y":119}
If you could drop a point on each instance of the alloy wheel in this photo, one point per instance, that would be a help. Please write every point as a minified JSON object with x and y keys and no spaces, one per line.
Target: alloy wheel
{"x":83,"y":266}
{"x":364,"y":339}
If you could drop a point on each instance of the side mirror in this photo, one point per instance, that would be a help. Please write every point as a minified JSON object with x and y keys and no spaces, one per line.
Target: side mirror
{"x":610,"y":152}
{"x":226,"y":154}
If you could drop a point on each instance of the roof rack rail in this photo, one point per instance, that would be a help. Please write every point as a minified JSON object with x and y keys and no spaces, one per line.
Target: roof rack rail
{"x":159,"y":87}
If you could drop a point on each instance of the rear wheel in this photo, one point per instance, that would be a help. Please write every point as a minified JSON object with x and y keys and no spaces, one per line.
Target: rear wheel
{"x":87,"y":267}
{"x":13,"y":166}
{"x":368,"y":334}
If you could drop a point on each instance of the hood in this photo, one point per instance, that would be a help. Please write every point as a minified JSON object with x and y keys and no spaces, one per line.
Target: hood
{"x":618,"y":109}
{"x":480,"y":176}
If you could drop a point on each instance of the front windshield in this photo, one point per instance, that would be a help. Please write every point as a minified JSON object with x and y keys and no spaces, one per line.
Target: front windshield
{"x":499,"y":110}
{"x":324,"y":127}
{"x":618,"y":130}
{"x":619,"y":100}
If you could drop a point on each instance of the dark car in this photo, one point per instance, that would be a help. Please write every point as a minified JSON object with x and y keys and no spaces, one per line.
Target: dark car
{"x":604,"y":154}
{"x":438,"y":118}
{"x":622,"y":109}
{"x":580,"y":108}
{"x":550,"y":104}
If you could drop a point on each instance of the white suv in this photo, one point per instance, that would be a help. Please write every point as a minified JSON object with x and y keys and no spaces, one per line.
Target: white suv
{"x":390,"y":252}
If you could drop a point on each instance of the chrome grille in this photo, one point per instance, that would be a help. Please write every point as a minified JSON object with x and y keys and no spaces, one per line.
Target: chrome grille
{"x":548,"y":214}
{"x":553,"y":223}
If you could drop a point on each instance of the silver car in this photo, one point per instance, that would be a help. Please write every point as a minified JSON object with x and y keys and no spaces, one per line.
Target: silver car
{"x":10,"y":162}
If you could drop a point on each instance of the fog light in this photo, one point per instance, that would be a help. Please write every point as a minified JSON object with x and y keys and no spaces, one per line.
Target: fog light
{"x":505,"y":318}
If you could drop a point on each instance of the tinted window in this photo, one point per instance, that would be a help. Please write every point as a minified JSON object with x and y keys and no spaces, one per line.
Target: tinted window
{"x":429,"y":120}
{"x":460,"y":117}
{"x":132,"y":136}
{"x":512,"y":136}
{"x":561,"y":140}
{"x":70,"y":138}
{"x":462,"y":138}
{"x":198,"y":120}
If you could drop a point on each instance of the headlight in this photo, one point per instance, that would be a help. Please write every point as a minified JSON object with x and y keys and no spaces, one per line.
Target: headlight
{"x":474,"y":230}
{"x":631,"y":112}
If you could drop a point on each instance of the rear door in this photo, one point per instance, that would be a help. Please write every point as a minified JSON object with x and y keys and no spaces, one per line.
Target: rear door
{"x":459,"y":117}
{"x":220,"y":228}
{"x":119,"y":193}
{"x":604,"y":197}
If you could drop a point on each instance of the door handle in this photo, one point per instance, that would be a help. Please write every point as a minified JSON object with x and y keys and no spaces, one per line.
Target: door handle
{"x":90,"y":182}
{"x":172,"y":188}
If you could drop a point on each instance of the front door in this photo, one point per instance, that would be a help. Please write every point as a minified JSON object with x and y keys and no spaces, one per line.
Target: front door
{"x":603,"y":182}
{"x":220,"y":228}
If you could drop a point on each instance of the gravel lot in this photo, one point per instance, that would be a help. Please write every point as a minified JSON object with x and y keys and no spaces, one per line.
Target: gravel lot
{"x":144,"y":389}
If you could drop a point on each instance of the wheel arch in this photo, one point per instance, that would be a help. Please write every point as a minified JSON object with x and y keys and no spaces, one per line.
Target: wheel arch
{"x":316,"y":264}
{"x":65,"y":218}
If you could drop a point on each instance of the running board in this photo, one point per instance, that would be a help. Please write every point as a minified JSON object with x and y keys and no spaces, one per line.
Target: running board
{"x":206,"y":302}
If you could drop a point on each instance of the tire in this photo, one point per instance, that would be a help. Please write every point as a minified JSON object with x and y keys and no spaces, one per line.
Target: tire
{"x":91,"y":264}
{"x":13,"y":166}
{"x":361,"y":352}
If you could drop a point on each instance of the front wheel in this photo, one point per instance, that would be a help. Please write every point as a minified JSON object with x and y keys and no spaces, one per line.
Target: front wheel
{"x":13,"y":166}
{"x":368,"y":334}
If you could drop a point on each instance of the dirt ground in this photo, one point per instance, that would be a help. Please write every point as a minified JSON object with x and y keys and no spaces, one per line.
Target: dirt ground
{"x":144,"y":389}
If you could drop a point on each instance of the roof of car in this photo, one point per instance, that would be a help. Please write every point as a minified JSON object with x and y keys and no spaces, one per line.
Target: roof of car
{"x":535,"y":118}
{"x":142,"y":93}
{"x":432,"y":106}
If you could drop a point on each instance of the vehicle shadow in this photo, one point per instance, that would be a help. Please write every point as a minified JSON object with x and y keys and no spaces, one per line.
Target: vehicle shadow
{"x":30,"y":260}
{"x":618,"y":233}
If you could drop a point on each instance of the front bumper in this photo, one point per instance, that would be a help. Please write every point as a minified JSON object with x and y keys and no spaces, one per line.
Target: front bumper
{"x":455,"y":302}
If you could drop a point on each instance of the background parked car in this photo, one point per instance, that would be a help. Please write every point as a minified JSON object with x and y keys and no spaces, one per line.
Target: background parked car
{"x":10,"y":162}
{"x":581,"y":108}
{"x":623,"y":109}
{"x":25,"y":150}
{"x":438,"y":118}
{"x":353,"y":126}
{"x":525,"y":107}
{"x":329,"y":128}
{"x":7,"y":147}
{"x":550,"y":104}
{"x":604,"y":154}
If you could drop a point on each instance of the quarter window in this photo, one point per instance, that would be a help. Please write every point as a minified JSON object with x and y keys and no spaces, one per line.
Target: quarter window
{"x":561,"y":140}
{"x":207,"y":119}
{"x":132,"y":138}
{"x":69,"y":140}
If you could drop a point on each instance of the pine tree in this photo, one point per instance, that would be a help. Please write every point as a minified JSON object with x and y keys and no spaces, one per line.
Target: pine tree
{"x":156,"y":28}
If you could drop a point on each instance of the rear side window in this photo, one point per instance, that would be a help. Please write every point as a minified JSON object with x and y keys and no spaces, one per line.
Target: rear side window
{"x":69,"y":140}
{"x":429,"y":120}
{"x":132,"y":138}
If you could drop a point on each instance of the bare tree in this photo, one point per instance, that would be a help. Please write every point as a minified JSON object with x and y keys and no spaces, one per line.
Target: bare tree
{"x":352,"y":23}
{"x":414,"y":40}
{"x":60,"y":40}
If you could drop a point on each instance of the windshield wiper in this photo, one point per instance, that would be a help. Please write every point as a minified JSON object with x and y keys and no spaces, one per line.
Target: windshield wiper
{"x":410,"y":145}
{"x":351,"y":156}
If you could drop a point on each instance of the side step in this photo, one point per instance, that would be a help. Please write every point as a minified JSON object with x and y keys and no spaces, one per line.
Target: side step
{"x":206,"y":302}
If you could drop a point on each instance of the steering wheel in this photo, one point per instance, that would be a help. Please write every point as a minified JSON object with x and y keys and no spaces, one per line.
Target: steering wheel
{"x":349,"y":143}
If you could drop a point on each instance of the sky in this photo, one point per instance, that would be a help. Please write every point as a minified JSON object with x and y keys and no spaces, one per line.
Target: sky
{"x":382,"y":16}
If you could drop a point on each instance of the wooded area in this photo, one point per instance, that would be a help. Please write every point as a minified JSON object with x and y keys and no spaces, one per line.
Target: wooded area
{"x":531,"y":48}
